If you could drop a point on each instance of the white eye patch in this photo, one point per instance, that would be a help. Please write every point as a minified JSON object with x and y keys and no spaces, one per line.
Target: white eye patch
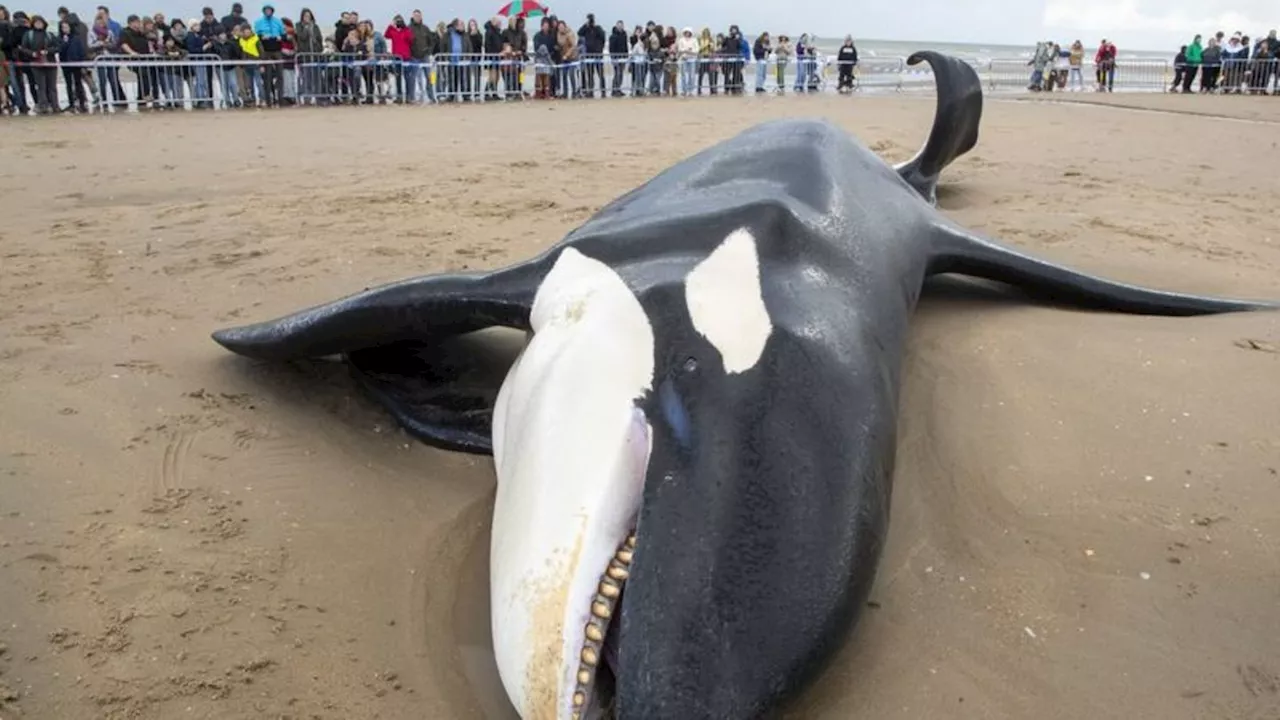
{"x":726,"y":303}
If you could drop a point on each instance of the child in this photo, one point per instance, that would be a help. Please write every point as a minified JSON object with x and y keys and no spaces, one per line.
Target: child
{"x":251,"y":49}
{"x":542,"y":70}
{"x":670,"y":67}
{"x":227,"y":51}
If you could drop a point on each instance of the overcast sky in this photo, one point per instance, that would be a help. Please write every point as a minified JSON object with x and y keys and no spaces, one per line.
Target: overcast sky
{"x":1133,"y":24}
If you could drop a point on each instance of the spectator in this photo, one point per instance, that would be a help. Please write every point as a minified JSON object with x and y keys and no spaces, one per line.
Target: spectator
{"x":72,"y":51}
{"x":761,"y":52}
{"x":567,"y":41}
{"x":101,"y":42}
{"x":270,"y":32}
{"x":802,"y":62}
{"x":619,"y":49}
{"x":1179,"y":69}
{"x":1194,"y":55}
{"x":459,"y":47}
{"x":110,"y":74}
{"x":400,"y":39}
{"x":781,"y":55}
{"x":543,"y":65}
{"x":73,"y":21}
{"x":235,"y":19}
{"x":289,"y":68}
{"x":1211,"y":66}
{"x":687,"y":54}
{"x":133,"y":42}
{"x":228,"y":49}
{"x":201,"y":76}
{"x":846,"y":61}
{"x":172,"y":72}
{"x":518,"y":37}
{"x":39,"y":48}
{"x":209,"y":24}
{"x":593,"y":40}
{"x":309,"y":45}
{"x":20,"y":75}
{"x":731,"y":50}
{"x":1105,"y":62}
{"x":1075,"y":61}
{"x":425,"y":43}
{"x":494,"y":39}
{"x":639,"y":60}
{"x":251,"y":50}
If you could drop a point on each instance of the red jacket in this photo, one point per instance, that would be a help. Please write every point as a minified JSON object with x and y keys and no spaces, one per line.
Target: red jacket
{"x":401,"y":40}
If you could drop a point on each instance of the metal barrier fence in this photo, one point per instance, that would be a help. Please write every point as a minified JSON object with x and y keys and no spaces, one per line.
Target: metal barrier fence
{"x":139,"y":82}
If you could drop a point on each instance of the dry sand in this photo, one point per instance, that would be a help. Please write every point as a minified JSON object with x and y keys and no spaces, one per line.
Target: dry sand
{"x":1087,"y":511}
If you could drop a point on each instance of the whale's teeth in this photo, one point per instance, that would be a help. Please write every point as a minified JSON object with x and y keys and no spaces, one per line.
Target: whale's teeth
{"x":603,"y":606}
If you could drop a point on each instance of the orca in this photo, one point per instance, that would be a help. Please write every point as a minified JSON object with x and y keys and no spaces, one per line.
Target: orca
{"x":695,"y":450}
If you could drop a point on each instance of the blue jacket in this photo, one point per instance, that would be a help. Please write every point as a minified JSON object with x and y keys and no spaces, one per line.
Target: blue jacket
{"x":269,"y":26}
{"x":744,"y":47}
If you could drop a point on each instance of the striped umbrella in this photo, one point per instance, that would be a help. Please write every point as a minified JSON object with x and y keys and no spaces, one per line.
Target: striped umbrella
{"x":523,"y":8}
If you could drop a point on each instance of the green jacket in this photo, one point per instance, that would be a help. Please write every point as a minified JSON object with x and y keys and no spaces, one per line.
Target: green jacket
{"x":1194,"y":53}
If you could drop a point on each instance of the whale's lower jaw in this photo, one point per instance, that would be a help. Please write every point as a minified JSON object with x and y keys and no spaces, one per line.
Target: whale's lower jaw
{"x":589,"y":700}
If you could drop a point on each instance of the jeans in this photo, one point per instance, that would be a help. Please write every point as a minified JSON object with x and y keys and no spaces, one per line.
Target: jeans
{"x":802,"y":74}
{"x":17,"y":89}
{"x":253,"y":84}
{"x":230,"y":91}
{"x":619,"y":67}
{"x":688,"y":70}
{"x":760,"y":75}
{"x":1076,"y":78}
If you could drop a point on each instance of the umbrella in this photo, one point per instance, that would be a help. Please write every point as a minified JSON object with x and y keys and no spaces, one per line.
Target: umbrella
{"x":523,"y":8}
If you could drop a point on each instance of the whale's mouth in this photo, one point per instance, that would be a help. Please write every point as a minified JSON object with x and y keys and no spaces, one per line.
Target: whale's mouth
{"x":594,"y":693}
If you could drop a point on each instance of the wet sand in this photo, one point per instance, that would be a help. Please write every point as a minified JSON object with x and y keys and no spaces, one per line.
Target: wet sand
{"x":1086,"y":518}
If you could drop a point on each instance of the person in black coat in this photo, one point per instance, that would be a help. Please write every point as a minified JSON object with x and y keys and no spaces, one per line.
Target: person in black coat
{"x":72,"y":50}
{"x":846,"y":60}
{"x":619,"y":54}
{"x":593,"y":42}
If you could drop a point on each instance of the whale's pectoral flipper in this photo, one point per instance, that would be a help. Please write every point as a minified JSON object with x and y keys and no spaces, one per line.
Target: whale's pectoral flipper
{"x":960,"y":251}
{"x":955,"y":121}
{"x":388,"y":337}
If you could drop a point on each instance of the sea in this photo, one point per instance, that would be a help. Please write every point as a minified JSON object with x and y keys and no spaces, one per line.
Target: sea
{"x":974,"y":52}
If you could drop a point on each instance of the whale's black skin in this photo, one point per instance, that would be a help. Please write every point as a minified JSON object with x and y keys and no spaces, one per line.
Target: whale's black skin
{"x":767,"y":493}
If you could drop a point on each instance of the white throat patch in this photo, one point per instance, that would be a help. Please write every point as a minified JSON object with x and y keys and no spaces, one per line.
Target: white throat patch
{"x":726,"y":303}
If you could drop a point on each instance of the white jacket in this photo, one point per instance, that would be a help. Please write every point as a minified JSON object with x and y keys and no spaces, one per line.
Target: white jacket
{"x":687,"y":47}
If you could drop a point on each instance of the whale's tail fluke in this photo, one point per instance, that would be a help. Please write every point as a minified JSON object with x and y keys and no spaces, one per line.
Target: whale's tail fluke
{"x":959,"y":251}
{"x":390,"y":336}
{"x":955,"y":121}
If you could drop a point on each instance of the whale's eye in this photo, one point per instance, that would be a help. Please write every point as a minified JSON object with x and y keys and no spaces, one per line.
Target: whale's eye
{"x":690,"y":364}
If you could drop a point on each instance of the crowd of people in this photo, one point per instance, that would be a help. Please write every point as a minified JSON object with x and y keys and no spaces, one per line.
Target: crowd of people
{"x":233,"y":62}
{"x":1225,"y":65}
{"x":1228,"y":65}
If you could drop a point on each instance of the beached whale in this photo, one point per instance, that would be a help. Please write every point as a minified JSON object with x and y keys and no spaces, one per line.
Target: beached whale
{"x":694,"y":451}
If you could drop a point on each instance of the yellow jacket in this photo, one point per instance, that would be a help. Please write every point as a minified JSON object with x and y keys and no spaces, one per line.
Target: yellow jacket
{"x":250,"y":46}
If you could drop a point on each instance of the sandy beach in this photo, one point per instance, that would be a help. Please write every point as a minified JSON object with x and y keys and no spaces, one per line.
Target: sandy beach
{"x":1086,"y":518}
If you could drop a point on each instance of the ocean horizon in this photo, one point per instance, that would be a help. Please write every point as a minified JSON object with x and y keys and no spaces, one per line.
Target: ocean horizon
{"x":977,"y":52}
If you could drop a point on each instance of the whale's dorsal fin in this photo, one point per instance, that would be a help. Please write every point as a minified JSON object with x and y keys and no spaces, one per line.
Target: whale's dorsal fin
{"x":955,"y":121}
{"x":386,"y":335}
